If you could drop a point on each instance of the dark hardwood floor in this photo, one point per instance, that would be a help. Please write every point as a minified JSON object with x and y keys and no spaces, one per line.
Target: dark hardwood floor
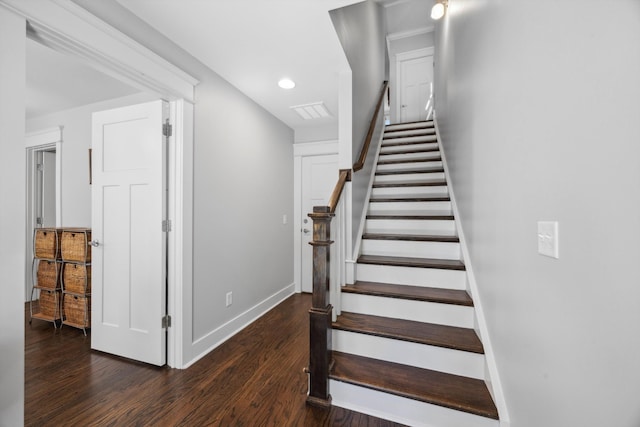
{"x":254,"y":379}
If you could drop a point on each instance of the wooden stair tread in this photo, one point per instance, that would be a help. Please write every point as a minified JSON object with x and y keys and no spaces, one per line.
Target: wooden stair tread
{"x":434,"y":198}
{"x":452,"y":337}
{"x":413,"y":217}
{"x":401,"y":172}
{"x":411,"y":237}
{"x":423,"y":132}
{"x":438,"y":183}
{"x":445,"y":264}
{"x":411,"y":160}
{"x":451,"y":391}
{"x":409,"y":292}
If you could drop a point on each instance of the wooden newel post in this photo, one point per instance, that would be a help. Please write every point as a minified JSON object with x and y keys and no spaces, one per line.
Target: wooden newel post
{"x":320,"y":312}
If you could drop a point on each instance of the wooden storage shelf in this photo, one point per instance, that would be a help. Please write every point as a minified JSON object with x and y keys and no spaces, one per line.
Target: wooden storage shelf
{"x":62,"y":270}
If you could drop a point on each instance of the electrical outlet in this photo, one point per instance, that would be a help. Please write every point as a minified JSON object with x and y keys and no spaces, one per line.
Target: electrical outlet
{"x":548,"y":238}
{"x":229,"y":298}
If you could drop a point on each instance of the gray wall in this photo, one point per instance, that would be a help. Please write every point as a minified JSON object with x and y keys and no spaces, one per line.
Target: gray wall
{"x":12,"y":218}
{"x":361,"y":30}
{"x":538,"y":108}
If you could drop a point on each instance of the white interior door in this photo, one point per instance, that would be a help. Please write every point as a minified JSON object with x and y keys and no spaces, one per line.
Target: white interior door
{"x":128,"y":210}
{"x":416,"y":76}
{"x":319,"y":177}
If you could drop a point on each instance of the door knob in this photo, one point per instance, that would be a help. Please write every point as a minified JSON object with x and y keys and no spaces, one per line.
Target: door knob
{"x":94,"y":243}
{"x":306,"y":231}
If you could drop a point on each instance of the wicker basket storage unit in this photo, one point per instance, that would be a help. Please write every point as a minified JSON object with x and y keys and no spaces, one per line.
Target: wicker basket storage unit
{"x":75,"y":244}
{"x":46,"y":243}
{"x":77,"y":310}
{"x":50,"y":304}
{"x":76,"y":278}
{"x":48,"y":274}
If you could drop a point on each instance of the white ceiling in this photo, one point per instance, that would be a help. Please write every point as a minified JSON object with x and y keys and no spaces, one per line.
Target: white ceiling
{"x":235,"y":39}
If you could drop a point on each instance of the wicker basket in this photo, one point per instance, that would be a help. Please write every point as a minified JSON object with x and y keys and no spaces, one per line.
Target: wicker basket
{"x":46,"y":243}
{"x":50,"y":303}
{"x":76,"y":278}
{"x":75,"y":244}
{"x":77,"y":310}
{"x":48,"y":274}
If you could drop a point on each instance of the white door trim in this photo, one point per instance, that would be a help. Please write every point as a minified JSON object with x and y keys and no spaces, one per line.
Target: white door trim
{"x":301,"y":150}
{"x":69,"y":28}
{"x":406,"y":56}
{"x":41,"y":140}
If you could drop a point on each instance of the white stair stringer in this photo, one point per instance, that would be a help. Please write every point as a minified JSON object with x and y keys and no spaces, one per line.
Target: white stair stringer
{"x":401,"y":409}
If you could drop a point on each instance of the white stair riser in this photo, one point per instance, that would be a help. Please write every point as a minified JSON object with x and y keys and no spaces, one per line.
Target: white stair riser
{"x":408,"y":147}
{"x":421,"y":138}
{"x":426,"y":191}
{"x":409,"y":353}
{"x":429,"y":277}
{"x":413,"y":166}
{"x":400,"y":126}
{"x":419,"y":311}
{"x":409,"y":177}
{"x":424,"y":207}
{"x":411,"y":226}
{"x":402,"y":410}
{"x":407,"y":156}
{"x":412,"y":249}
{"x":411,"y":132}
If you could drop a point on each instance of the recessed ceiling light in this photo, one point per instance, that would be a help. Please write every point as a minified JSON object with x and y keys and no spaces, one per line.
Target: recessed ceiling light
{"x":286,"y":84}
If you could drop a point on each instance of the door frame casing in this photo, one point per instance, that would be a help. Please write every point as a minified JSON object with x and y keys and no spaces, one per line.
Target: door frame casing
{"x":300,"y":150}
{"x":66,"y":27}
{"x":42,"y":140}
{"x":399,"y":59}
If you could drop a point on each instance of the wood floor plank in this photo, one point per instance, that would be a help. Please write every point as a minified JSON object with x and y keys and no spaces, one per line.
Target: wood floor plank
{"x":453,"y":337}
{"x":255,"y":378}
{"x":451,"y":391}
{"x":416,"y":293}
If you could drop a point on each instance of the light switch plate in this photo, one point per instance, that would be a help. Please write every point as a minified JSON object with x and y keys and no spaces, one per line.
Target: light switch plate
{"x":548,"y":238}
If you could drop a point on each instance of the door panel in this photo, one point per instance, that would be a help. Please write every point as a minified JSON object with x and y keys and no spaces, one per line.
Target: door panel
{"x":128,"y":207}
{"x":416,"y":76}
{"x":319,"y":177}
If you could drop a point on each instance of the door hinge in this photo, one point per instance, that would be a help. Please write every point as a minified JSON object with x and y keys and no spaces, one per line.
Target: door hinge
{"x":166,"y":225}
{"x":39,"y":221}
{"x":167,"y":129}
{"x":39,"y":167}
{"x":166,"y":321}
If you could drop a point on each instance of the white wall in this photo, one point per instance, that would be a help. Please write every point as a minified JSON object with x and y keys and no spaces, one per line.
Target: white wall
{"x":537,"y":104}
{"x":76,"y":136}
{"x":361,"y":30}
{"x":12,"y":218}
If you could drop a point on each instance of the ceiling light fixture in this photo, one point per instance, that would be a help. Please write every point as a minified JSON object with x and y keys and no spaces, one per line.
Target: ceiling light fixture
{"x":286,"y":83}
{"x":438,"y":9}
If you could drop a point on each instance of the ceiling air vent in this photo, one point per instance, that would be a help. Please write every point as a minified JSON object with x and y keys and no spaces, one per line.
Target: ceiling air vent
{"x":315,"y":110}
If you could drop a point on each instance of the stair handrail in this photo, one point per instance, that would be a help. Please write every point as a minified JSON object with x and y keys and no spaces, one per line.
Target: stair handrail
{"x":321,"y":311}
{"x":372,"y":127}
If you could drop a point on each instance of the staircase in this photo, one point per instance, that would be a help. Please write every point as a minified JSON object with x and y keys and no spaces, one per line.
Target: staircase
{"x":404,"y":346}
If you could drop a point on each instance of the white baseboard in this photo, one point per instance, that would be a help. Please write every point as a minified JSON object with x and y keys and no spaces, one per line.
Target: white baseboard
{"x":215,"y":338}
